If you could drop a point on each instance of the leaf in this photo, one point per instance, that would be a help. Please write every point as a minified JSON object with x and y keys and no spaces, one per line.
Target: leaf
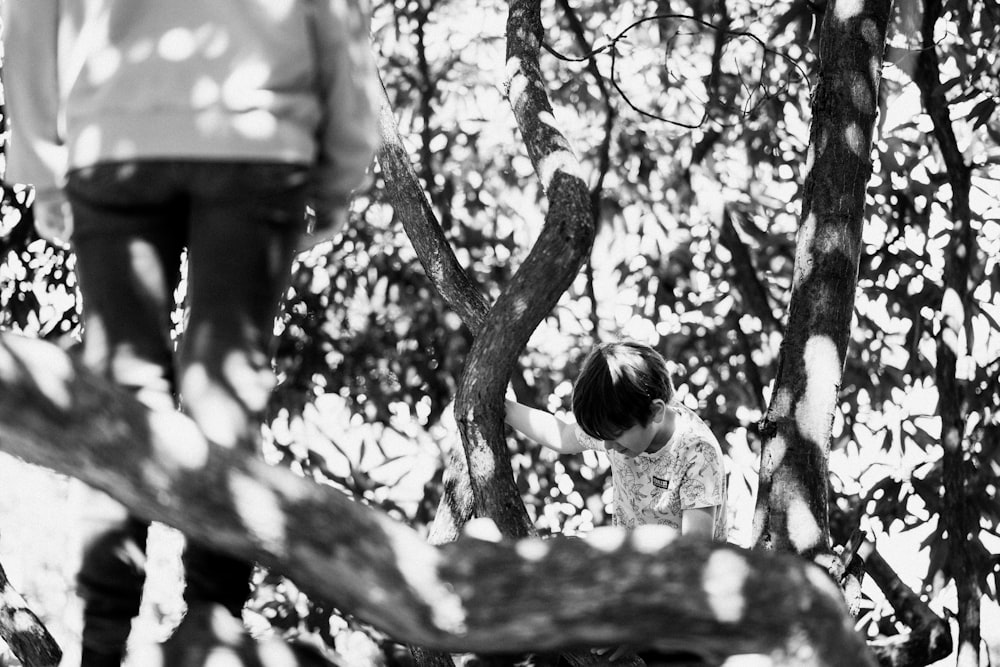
{"x":948,"y":85}
{"x":982,"y":112}
{"x":986,"y":314}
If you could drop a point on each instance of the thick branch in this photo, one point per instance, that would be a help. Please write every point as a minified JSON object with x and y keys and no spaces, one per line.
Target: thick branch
{"x":617,"y":587}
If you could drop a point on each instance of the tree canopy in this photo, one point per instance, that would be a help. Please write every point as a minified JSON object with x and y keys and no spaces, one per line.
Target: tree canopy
{"x":687,"y":128}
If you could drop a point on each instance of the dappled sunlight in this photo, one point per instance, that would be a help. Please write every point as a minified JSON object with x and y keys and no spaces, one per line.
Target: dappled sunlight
{"x":482,"y":528}
{"x":260,"y":510}
{"x":722,"y":580}
{"x":481,"y":460}
{"x":220,"y":417}
{"x":517,"y":83}
{"x":177,"y":44}
{"x":649,"y":538}
{"x":861,"y":97}
{"x":953,"y":322}
{"x":48,"y":373}
{"x":532,"y":550}
{"x":822,"y":366}
{"x":448,"y":612}
{"x":250,"y":377}
{"x":803,"y":250}
{"x":607,"y":538}
{"x":371,"y":354}
{"x":845,"y":10}
{"x":804,"y":532}
{"x":855,"y":139}
{"x":558,"y":161}
{"x":177,"y":442}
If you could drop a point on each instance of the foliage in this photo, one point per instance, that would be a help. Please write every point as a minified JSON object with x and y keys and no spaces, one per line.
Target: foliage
{"x":694,"y":255}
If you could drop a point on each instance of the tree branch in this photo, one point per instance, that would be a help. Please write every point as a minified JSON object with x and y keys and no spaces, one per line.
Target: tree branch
{"x":616,"y":587}
{"x":960,"y":521}
{"x":534,"y":290}
{"x":422,"y":227}
{"x":23,"y":631}
{"x":929,"y":639}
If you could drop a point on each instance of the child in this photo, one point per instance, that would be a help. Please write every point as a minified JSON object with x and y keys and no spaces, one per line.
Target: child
{"x":666,"y":466}
{"x":206,"y":126}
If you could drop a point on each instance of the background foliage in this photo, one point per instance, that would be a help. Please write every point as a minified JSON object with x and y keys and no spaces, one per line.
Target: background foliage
{"x":697,"y":136}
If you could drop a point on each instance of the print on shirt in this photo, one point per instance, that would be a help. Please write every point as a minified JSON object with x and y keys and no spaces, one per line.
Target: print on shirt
{"x":686,"y":473}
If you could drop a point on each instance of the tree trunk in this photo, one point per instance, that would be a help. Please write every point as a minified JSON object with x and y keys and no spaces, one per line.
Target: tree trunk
{"x":542,"y":278}
{"x":616,"y":587}
{"x":486,"y":487}
{"x":961,"y":522}
{"x":792,"y":508}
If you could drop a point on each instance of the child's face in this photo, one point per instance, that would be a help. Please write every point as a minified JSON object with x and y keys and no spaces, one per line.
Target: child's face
{"x":634,"y":441}
{"x":641,"y":438}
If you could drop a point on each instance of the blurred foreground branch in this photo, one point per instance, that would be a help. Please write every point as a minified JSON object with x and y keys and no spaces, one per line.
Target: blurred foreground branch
{"x":638,"y":588}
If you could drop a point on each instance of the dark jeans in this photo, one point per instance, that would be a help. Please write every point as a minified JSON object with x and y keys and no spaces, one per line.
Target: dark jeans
{"x":240,"y":223}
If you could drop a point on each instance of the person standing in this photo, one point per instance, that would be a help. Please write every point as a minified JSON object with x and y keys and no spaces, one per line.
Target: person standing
{"x":151,"y":128}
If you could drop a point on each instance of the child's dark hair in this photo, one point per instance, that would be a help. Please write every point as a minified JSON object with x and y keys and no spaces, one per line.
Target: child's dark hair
{"x":617,"y":386}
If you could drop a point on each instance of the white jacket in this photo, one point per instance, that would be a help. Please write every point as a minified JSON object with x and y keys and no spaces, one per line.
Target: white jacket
{"x":89,"y":81}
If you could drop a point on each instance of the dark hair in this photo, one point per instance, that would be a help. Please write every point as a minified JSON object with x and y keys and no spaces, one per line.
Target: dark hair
{"x":617,"y":386}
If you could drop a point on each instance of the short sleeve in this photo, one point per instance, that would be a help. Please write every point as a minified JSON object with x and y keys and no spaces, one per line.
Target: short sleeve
{"x":703,"y":482}
{"x":588,"y":441}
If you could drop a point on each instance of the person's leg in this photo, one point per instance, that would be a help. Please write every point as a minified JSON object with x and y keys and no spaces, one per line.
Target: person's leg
{"x":245,"y":222}
{"x":128,"y":248}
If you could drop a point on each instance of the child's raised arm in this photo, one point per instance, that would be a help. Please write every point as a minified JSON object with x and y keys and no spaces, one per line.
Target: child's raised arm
{"x":543,"y":427}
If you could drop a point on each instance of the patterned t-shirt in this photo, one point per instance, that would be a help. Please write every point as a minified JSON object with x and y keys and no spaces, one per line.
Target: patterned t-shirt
{"x":686,"y":473}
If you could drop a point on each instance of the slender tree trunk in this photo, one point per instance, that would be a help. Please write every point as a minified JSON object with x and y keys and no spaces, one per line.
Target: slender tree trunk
{"x":541,"y":279}
{"x":792,"y":508}
{"x":458,"y":290}
{"x":960,"y":520}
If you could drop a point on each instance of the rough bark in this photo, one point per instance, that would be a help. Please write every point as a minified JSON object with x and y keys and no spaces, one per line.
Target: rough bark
{"x":960,"y":520}
{"x":457,"y":289}
{"x":23,"y":631}
{"x":471,"y":595}
{"x":413,"y":210}
{"x":541,"y":279}
{"x":492,"y":471}
{"x":929,"y":638}
{"x":792,"y":508}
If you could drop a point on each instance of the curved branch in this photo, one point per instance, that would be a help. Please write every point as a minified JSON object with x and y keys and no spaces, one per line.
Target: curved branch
{"x":534,"y":290}
{"x":433,"y":249}
{"x":929,"y":639}
{"x":471,"y":595}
